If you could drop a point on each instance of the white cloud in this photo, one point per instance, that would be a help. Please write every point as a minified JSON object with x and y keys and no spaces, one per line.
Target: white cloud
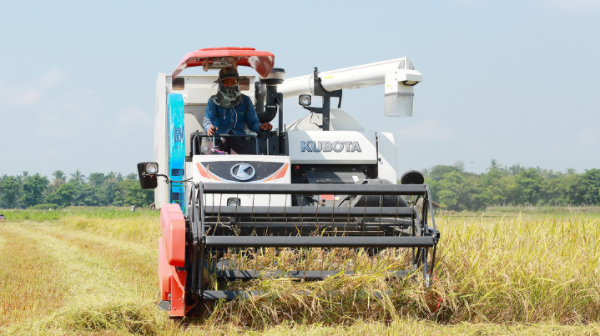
{"x":430,"y":129}
{"x":31,"y":93}
{"x":23,"y":97}
{"x":54,"y":110}
{"x":52,"y":79}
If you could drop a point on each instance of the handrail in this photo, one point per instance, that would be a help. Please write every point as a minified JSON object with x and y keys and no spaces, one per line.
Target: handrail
{"x":197,"y":137}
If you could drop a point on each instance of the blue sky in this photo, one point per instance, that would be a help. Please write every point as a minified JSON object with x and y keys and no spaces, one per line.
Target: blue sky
{"x":515,"y":81}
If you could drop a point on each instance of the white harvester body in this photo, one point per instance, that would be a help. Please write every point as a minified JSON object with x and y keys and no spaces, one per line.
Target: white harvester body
{"x":345,"y":143}
{"x":322,"y":182}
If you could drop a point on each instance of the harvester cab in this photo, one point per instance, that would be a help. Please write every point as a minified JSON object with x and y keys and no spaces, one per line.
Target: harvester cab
{"x":322,"y":182}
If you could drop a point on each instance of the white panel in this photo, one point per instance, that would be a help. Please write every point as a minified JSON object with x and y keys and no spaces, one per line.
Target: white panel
{"x":160,"y":139}
{"x":351,"y":78}
{"x":245,"y":199}
{"x":387,"y":157}
{"x":332,"y":147}
{"x":193,"y":118}
{"x":188,"y":172}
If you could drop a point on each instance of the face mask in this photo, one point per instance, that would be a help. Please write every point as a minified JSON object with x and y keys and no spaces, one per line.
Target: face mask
{"x":228,"y":96}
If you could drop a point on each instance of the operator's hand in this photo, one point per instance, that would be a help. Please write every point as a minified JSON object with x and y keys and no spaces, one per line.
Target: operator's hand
{"x":266,"y":127}
{"x":212,"y":130}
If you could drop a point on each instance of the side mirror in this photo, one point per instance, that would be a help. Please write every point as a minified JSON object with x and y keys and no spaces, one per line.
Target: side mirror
{"x":147,"y":173}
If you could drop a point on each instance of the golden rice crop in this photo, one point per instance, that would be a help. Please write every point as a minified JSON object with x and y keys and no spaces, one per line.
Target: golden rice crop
{"x":501,"y":275}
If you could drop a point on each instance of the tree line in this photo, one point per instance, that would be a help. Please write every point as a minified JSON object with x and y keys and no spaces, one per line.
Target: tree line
{"x":97,"y":189}
{"x":451,"y":187}
{"x":455,"y":189}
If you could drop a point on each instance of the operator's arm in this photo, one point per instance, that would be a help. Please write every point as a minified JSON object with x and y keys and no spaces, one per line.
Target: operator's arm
{"x":251,"y":118}
{"x":210,"y":114}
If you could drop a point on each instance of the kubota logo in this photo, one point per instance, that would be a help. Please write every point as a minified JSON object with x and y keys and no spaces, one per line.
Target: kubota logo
{"x":242,"y":171}
{"x":328,"y":146}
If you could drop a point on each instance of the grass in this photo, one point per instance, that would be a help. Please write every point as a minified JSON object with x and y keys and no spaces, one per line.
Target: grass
{"x":95,"y":273}
{"x":18,"y":215}
{"x":515,"y":211}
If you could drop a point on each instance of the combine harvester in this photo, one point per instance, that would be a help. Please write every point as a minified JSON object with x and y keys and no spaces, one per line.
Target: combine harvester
{"x":322,"y":182}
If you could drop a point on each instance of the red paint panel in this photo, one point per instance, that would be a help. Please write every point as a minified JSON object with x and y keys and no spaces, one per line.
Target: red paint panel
{"x":172,"y":225}
{"x":282,"y":172}
{"x":261,"y":61}
{"x":177,"y":298}
{"x":202,"y":171}
{"x":164,"y":276}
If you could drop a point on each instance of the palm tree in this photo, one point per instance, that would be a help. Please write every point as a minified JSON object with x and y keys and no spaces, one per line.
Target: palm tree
{"x":494,"y":165}
{"x":59,"y":177}
{"x":78,"y":177}
{"x":23,"y":177}
{"x":111,"y":177}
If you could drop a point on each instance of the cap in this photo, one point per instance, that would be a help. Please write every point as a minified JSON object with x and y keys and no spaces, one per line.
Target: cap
{"x":228,"y":73}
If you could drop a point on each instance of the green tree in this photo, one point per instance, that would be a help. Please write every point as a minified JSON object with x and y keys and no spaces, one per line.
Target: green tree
{"x":564,"y":190}
{"x":439,"y":172}
{"x":77,"y":177}
{"x":435,"y":175}
{"x":23,"y":177}
{"x":33,"y":188}
{"x":96,"y":179}
{"x":135,"y":195}
{"x":456,"y":191}
{"x":64,"y":195}
{"x":495,"y":188}
{"x":59,"y":177}
{"x":530,"y":184}
{"x":11,"y":190}
{"x":591,"y":186}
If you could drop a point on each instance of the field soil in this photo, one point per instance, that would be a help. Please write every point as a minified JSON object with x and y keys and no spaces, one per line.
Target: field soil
{"x":94,"y":272}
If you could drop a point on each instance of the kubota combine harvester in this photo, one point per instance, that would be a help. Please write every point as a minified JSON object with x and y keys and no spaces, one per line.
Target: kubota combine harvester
{"x":321,"y":182}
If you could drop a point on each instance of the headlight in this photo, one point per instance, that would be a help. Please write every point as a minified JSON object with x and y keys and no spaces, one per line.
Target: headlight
{"x":233,"y":201}
{"x":305,"y":100}
{"x":151,"y":168}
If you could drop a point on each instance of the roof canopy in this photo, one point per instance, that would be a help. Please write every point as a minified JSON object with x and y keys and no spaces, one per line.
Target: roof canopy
{"x":213,"y":58}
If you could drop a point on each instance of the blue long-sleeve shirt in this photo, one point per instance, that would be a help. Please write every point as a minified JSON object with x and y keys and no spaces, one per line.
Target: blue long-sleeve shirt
{"x":232,"y":119}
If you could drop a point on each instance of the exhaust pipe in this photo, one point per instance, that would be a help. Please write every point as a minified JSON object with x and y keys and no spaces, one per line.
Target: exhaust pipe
{"x":267,"y":88}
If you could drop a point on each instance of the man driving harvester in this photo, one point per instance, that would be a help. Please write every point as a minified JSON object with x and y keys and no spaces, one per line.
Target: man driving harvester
{"x":228,"y":112}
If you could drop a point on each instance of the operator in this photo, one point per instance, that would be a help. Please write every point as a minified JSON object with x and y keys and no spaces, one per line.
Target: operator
{"x":228,"y":112}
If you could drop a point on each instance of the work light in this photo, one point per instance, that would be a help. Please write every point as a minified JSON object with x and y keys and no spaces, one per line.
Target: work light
{"x":233,"y":201}
{"x":305,"y":100}
{"x":410,"y":83}
{"x":147,"y":172}
{"x":151,"y":168}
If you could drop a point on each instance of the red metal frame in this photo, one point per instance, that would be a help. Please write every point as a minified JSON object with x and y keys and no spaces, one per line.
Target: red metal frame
{"x":261,"y":61}
{"x":171,"y":253}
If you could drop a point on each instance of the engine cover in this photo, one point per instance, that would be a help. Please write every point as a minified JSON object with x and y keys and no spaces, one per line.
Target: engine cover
{"x":332,"y":147}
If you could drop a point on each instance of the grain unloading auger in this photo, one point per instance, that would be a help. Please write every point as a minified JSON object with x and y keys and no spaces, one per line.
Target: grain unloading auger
{"x":322,"y":183}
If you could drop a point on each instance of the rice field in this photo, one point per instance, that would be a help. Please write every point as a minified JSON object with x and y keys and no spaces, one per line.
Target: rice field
{"x":95,"y":273}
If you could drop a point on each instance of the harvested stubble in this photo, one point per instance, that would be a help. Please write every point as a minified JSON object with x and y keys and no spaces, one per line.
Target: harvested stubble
{"x":496,"y":273}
